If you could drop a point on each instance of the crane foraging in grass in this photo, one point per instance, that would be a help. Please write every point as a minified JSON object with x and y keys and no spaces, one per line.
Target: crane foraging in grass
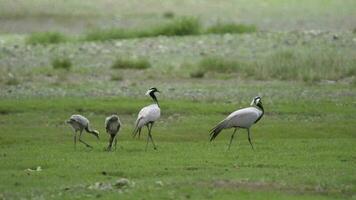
{"x":80,"y":123}
{"x":147,"y":117}
{"x":112,"y":126}
{"x":243,"y":118}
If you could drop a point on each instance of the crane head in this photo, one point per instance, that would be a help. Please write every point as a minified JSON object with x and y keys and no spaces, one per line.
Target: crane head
{"x":151,"y":91}
{"x":256,"y":101}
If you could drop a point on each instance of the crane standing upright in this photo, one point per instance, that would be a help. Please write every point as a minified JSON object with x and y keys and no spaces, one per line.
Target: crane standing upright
{"x":147,"y":116}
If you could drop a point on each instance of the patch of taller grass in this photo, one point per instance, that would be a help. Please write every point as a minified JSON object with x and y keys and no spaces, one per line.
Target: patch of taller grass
{"x":287,"y":65}
{"x":46,"y":38}
{"x":177,"y":27}
{"x":220,"y":65}
{"x":125,"y":63}
{"x":111,"y":34}
{"x":62,"y":63}
{"x":308,"y":66}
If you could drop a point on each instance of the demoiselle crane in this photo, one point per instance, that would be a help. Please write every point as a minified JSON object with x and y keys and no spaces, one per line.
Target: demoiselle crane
{"x":112,"y":126}
{"x":147,"y":116}
{"x":243,"y":118}
{"x":80,"y":123}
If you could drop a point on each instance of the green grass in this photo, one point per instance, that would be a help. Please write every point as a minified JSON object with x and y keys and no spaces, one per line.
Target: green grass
{"x":110,"y":34}
{"x":231,"y":28}
{"x":290,"y":161}
{"x":45,"y":38}
{"x":136,"y":63}
{"x":302,"y":63}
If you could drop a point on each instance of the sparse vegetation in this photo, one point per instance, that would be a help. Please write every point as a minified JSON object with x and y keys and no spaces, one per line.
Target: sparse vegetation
{"x":168,"y":14}
{"x":46,"y":38}
{"x":116,"y":77}
{"x":197,"y":74}
{"x":62,"y":63}
{"x":221,"y":28}
{"x":179,"y":27}
{"x":306,"y":66}
{"x":135,"y":63}
{"x":285,"y":65}
{"x":219,"y":64}
{"x":12,"y":81}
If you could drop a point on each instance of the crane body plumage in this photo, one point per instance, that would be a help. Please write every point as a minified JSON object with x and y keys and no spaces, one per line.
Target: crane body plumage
{"x":148,"y":114}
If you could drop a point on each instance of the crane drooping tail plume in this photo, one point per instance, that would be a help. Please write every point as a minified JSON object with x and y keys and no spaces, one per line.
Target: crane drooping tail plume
{"x":137,"y":128}
{"x":217,"y":129}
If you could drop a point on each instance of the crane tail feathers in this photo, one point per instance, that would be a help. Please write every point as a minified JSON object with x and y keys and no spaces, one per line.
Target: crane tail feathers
{"x":137,"y":128}
{"x":217,"y":129}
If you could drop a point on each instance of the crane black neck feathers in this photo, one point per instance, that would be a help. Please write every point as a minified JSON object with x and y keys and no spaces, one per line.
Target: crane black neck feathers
{"x":259,"y":105}
{"x":153,"y":96}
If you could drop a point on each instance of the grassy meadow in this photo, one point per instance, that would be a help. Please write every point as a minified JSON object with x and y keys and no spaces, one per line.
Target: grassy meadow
{"x":207,"y":59}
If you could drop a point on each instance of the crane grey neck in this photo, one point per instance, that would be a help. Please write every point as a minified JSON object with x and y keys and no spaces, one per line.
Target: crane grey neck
{"x":152,"y":94}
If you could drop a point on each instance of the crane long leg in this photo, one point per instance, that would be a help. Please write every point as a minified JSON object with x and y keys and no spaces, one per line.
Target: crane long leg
{"x":115,"y":138}
{"x":75,"y":139}
{"x":139,"y":133}
{"x":249,"y":138}
{"x":80,"y":140}
{"x":149,"y":134}
{"x":232,"y":137}
{"x":110,"y":143}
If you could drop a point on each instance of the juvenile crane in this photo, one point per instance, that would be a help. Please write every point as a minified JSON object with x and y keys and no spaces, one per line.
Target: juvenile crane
{"x":243,"y":118}
{"x":112,"y":126}
{"x":80,"y":123}
{"x":147,"y":117}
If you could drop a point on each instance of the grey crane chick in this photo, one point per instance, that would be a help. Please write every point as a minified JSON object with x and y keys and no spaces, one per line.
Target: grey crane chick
{"x":112,"y":126}
{"x":80,"y":123}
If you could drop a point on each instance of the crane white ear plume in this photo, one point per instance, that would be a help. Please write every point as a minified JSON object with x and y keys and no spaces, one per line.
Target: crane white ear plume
{"x":148,"y":92}
{"x":252,"y":102}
